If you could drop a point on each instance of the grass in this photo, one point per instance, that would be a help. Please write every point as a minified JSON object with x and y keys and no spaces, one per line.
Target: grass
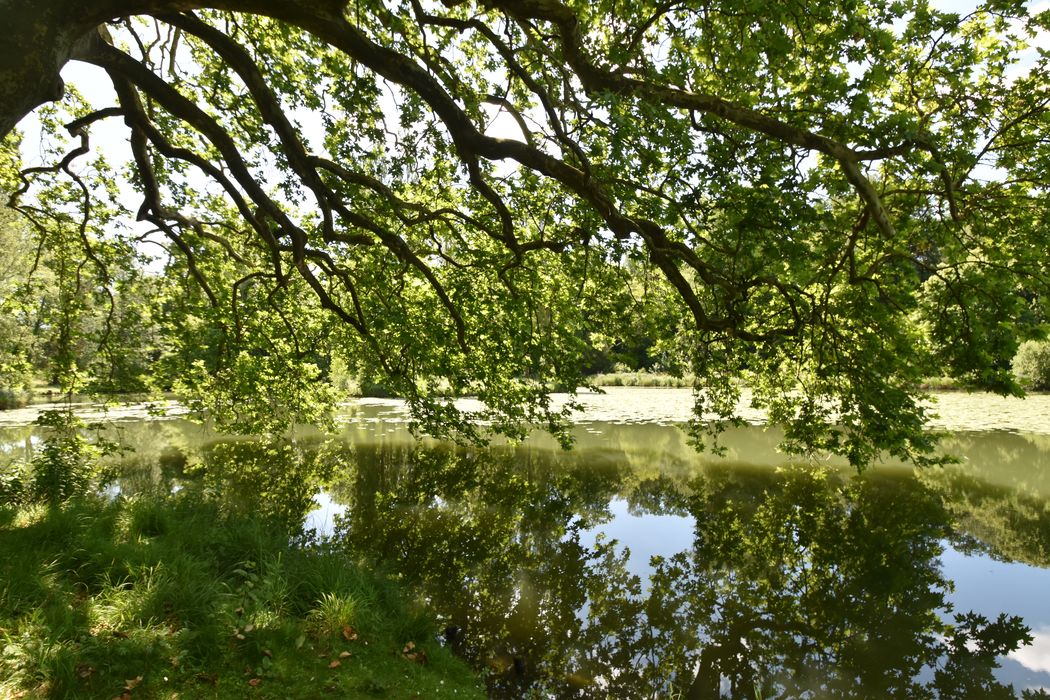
{"x":167,"y":596}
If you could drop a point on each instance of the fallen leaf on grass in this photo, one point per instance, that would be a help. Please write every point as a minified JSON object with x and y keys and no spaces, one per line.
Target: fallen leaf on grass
{"x":255,"y":682}
{"x":335,"y":664}
{"x":210,"y":678}
{"x":85,"y":671}
{"x":349,"y":633}
{"x":410,"y":653}
{"x":130,"y":685}
{"x":344,"y":654}
{"x":267,"y":653}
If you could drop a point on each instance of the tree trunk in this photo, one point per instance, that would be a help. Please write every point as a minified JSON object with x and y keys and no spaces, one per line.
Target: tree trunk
{"x":705,"y":685}
{"x":36,"y":41}
{"x":38,"y":37}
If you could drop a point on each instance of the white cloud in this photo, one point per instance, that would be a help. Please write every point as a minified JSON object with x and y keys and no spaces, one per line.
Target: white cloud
{"x":1036,"y":656}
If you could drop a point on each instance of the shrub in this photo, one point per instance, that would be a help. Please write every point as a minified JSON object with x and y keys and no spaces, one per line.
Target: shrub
{"x":13,"y":487}
{"x":65,"y":466}
{"x":9,"y":399}
{"x":62,"y":468}
{"x":1032,"y":364}
{"x":15,"y":381}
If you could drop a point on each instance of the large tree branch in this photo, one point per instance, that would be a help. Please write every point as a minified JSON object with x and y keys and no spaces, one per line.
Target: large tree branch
{"x":40,"y":37}
{"x":325,"y":20}
{"x":268,"y":104}
{"x":115,"y":61}
{"x":596,"y":79}
{"x":471,"y":143}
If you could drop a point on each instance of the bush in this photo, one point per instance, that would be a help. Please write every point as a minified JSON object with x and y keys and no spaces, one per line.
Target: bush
{"x":13,"y":487}
{"x":64,"y":467}
{"x":9,"y":399}
{"x":15,"y":380}
{"x":1032,"y":365}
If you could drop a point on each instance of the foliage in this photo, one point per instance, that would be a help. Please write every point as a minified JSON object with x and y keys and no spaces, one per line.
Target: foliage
{"x":649,"y":379}
{"x":1031,"y":364}
{"x":64,"y":317}
{"x":15,"y":339}
{"x":826,"y":201}
{"x":65,"y":466}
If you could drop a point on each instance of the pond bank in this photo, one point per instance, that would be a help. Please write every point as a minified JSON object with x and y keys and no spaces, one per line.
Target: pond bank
{"x":169,"y":596}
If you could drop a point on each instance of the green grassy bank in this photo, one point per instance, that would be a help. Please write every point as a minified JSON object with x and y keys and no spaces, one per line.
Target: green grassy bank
{"x":658,"y":379}
{"x":168,"y":596}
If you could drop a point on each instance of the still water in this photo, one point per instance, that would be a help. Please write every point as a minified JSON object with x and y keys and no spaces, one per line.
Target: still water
{"x":633,"y":567}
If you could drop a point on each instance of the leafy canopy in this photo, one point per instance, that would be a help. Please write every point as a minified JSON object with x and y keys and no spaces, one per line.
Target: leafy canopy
{"x":825,"y":201}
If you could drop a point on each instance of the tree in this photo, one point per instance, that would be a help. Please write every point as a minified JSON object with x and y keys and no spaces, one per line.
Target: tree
{"x":840,"y":198}
{"x":14,"y":336}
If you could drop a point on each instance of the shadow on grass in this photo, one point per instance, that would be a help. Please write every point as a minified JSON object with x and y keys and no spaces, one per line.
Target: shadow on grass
{"x":163,"y":596}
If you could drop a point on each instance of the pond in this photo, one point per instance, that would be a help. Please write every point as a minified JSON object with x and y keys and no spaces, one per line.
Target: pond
{"x":633,"y":567}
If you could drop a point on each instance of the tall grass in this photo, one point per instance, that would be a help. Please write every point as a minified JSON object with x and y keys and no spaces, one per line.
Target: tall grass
{"x":164,"y":596}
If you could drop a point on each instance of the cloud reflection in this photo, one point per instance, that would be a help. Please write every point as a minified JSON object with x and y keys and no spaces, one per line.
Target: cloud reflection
{"x":1036,"y":656}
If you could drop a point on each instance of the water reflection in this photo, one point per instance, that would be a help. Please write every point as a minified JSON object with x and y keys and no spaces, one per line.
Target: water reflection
{"x":749,"y":578}
{"x":797,"y":581}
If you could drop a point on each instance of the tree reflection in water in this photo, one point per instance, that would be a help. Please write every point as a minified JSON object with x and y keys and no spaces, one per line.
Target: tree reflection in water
{"x":801,"y":582}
